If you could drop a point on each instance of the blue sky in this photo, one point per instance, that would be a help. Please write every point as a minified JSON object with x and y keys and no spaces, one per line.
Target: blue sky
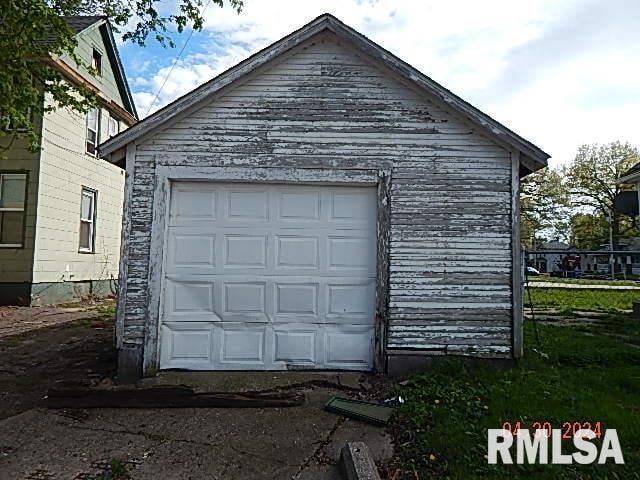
{"x":558,"y":73}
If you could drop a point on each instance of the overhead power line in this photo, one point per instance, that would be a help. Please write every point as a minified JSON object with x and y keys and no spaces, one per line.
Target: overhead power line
{"x":175,"y":61}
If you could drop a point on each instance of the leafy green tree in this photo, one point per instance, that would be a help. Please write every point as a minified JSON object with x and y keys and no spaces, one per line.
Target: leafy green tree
{"x":543,"y":207}
{"x":32,"y":31}
{"x":589,"y":231}
{"x":592,"y":182}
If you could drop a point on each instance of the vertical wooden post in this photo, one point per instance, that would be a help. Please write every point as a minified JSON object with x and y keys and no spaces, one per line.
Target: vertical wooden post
{"x":383,"y":227}
{"x":124,"y":243}
{"x":516,"y":259}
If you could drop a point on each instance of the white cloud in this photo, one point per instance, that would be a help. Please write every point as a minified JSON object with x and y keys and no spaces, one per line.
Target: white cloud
{"x":559,"y":73}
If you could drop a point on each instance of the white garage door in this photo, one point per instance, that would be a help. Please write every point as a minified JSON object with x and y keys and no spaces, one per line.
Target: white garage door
{"x":269,"y":277}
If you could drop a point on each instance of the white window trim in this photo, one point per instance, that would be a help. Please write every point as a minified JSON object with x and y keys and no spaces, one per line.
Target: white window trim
{"x":93,"y":194}
{"x":6,"y":126}
{"x":23,"y":209}
{"x":98,"y":67}
{"x":112,"y":121}
{"x":97,"y":132}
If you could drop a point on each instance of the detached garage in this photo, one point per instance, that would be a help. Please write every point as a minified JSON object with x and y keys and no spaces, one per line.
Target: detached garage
{"x":321,"y":205}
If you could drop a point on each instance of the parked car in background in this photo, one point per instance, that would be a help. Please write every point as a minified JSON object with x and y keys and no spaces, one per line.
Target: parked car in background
{"x":532,"y":272}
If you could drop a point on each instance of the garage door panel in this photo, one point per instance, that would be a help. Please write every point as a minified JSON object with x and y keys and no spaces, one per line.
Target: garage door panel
{"x":350,"y":253}
{"x":191,"y":250}
{"x":192,"y":203}
{"x":186,"y":345}
{"x":350,"y":299}
{"x":349,"y":346}
{"x":275,"y":276}
{"x":297,"y":298}
{"x":242,"y":345}
{"x":245,"y":251}
{"x":297,"y":205}
{"x":247,"y":204}
{"x":191,"y":297}
{"x":352,"y":206}
{"x":297,"y":346}
{"x":188,"y":300}
{"x":245,"y":301}
{"x":295,"y":252}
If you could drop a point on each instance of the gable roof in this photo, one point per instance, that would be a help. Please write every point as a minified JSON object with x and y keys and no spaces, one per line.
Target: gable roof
{"x":76,"y":23}
{"x":532,"y":157}
{"x":80,"y":23}
{"x":114,"y":58}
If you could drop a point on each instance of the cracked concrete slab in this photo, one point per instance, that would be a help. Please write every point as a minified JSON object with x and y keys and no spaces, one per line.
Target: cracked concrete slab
{"x":379,"y":442}
{"x":40,"y":441}
{"x":298,"y":442}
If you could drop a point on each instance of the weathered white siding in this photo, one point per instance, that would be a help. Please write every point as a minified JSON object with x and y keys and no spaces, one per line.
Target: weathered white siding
{"x":323,"y":105}
{"x":64,"y":170}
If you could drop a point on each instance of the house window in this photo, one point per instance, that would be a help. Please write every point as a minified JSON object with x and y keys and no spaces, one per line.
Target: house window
{"x":13,"y":195}
{"x":88,"y":220}
{"x":113,"y":127}
{"x":8,"y":126}
{"x":96,"y":62}
{"x":92,"y":131}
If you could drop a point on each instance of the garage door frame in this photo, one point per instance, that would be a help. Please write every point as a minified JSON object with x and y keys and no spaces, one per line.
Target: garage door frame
{"x":165,"y":174}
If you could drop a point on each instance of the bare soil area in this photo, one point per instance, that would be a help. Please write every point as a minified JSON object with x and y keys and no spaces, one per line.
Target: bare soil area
{"x":79,"y":350}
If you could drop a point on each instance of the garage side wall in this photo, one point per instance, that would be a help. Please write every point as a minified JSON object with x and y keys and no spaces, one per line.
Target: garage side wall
{"x":323,"y":105}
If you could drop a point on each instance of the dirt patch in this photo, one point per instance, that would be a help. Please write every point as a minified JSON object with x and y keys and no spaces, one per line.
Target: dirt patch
{"x":301,"y":442}
{"x":17,"y":320}
{"x":76,"y":351}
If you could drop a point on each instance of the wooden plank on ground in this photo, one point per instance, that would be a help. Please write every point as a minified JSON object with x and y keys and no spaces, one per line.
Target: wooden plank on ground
{"x":166,"y":397}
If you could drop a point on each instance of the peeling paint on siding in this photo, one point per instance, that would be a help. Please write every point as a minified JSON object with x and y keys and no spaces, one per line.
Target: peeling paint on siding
{"x":325,"y":106}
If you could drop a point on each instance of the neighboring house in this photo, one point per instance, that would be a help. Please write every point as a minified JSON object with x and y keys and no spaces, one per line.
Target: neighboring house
{"x":631,"y":176}
{"x":628,"y":263}
{"x":321,"y":205}
{"x":61,"y":207}
{"x":546,"y":258}
{"x":631,"y":261}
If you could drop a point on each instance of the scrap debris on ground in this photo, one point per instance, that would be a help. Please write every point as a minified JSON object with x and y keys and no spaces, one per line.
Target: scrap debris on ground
{"x":253,"y":443}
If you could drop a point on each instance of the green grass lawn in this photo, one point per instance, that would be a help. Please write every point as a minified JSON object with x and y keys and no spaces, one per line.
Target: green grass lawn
{"x":584,"y":281}
{"x":589,"y":373}
{"x":567,"y":300}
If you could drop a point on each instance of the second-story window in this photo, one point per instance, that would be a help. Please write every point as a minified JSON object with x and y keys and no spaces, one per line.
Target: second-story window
{"x":92,"y":131}
{"x":113,"y":126}
{"x":96,"y":62}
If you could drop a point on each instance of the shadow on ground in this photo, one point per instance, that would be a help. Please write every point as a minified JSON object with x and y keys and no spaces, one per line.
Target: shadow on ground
{"x":251,"y":443}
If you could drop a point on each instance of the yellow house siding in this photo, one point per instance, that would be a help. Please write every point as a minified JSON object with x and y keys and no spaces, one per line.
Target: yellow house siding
{"x":64,"y":170}
{"x":16,"y":263}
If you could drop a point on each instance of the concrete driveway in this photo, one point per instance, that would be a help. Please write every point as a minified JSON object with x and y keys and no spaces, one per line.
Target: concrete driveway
{"x":258,"y":443}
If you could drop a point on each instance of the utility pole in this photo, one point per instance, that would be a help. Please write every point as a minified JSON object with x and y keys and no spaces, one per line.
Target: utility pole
{"x":612,"y":264}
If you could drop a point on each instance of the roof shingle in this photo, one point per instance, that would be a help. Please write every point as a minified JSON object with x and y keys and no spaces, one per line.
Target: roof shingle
{"x":80,"y":22}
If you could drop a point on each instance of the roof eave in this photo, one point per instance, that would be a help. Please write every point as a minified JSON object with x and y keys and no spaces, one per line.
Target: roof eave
{"x":121,"y":78}
{"x":632,"y":178}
